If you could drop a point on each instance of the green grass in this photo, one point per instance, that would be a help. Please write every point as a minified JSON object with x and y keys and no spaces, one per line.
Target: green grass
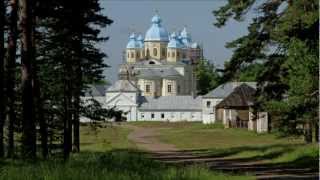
{"x":106,"y":155}
{"x":103,"y":139}
{"x":215,"y":141}
{"x":113,"y":165}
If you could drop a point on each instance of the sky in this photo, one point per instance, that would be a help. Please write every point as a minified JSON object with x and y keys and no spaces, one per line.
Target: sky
{"x":196,"y":15}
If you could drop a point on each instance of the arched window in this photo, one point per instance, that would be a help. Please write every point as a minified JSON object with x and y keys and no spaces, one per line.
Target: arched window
{"x":138,"y":55}
{"x":178,"y":54}
{"x":132,"y":55}
{"x":173,"y":54}
{"x":155,"y":51}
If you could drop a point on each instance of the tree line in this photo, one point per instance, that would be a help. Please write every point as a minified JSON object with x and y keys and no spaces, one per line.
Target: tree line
{"x":48,"y":56}
{"x":281,"y":53}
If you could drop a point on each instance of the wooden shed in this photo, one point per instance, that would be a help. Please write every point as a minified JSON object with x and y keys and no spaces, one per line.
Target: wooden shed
{"x":236,"y":107}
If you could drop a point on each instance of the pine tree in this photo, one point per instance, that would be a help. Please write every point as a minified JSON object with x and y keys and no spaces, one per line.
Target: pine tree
{"x":28,"y":124}
{"x":11,"y":70}
{"x":2,"y":52}
{"x":279,"y":27}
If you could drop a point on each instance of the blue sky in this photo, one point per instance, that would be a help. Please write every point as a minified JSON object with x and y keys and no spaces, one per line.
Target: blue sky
{"x":197,"y":15}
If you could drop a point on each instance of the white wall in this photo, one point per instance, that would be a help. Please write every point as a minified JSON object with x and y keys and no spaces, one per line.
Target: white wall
{"x":171,"y":116}
{"x":208,"y":112}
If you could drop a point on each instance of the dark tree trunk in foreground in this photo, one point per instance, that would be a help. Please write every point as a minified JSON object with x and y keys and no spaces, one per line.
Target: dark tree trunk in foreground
{"x":316,"y":132}
{"x":76,"y":125}
{"x":67,"y":132}
{"x":308,"y":133}
{"x":39,"y":114}
{"x":40,"y":117}
{"x":28,"y":124}
{"x":2,"y":103}
{"x":77,"y":43}
{"x":10,"y":66}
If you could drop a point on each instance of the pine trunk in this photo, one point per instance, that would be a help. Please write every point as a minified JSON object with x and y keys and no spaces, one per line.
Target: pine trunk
{"x":76,"y":125}
{"x":308,"y":133}
{"x":39,"y":114}
{"x":40,"y":117}
{"x":28,"y":124}
{"x":316,"y":132}
{"x":67,"y":132}
{"x":11,"y":65}
{"x":78,"y":76}
{"x":2,"y":103}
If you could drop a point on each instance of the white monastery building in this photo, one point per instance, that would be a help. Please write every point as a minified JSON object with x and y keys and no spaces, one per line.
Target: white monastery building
{"x":157,"y":81}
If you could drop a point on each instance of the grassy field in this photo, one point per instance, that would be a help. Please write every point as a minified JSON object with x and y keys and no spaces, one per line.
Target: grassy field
{"x":110,"y":137}
{"x":112,"y":165}
{"x":107,"y":154}
{"x":215,"y":141}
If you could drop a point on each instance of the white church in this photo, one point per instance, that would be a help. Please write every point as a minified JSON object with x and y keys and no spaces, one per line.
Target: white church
{"x":157,"y":81}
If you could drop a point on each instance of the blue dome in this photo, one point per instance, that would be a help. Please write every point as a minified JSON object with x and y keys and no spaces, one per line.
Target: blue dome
{"x":174,"y":42}
{"x":179,"y":38}
{"x":195,"y":45}
{"x":133,"y":43}
{"x":156,"y":32}
{"x":156,"y":19}
{"x":140,"y":41}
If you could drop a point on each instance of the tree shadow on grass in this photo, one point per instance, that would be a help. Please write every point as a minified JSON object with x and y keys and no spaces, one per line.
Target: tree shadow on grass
{"x":266,"y":162}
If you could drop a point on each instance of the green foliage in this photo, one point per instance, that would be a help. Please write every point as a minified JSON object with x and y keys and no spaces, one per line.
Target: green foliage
{"x":284,"y":38}
{"x":208,"y":77}
{"x":250,"y":73}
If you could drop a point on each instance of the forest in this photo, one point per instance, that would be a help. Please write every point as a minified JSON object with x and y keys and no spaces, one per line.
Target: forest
{"x":48,"y":56}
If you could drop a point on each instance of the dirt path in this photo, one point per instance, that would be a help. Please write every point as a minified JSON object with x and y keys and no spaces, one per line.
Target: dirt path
{"x":146,"y":139}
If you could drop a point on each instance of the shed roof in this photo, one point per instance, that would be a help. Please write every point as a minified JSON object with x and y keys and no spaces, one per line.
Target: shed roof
{"x":171,"y":103}
{"x":224,"y":90}
{"x":242,"y":96}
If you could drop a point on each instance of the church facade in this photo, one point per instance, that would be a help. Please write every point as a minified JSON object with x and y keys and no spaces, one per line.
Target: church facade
{"x":161,"y":64}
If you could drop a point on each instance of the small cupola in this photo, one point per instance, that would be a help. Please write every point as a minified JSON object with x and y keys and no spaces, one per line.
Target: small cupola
{"x":133,"y":43}
{"x":140,"y":41}
{"x":174,"y":42}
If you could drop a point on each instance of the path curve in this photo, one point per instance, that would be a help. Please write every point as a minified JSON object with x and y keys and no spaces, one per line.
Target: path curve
{"x":145,"y":139}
